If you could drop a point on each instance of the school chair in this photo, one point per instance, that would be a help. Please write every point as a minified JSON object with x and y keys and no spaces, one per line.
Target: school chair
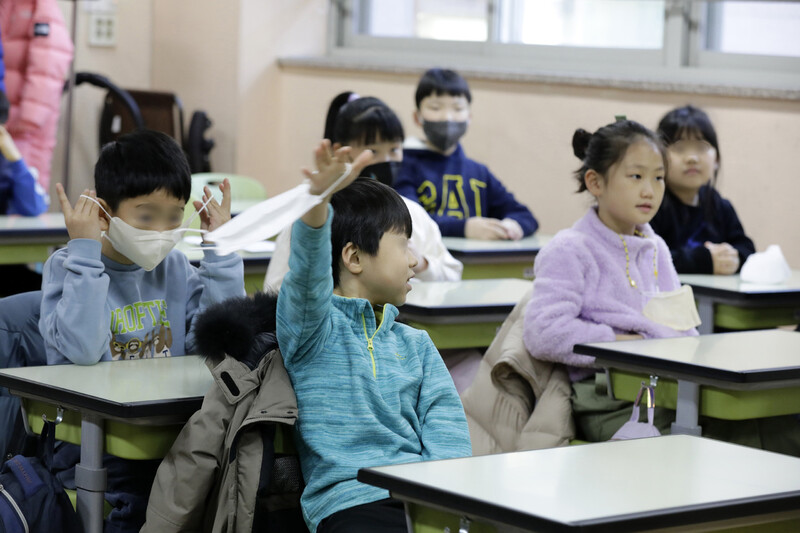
{"x":245,"y":191}
{"x":20,"y":345}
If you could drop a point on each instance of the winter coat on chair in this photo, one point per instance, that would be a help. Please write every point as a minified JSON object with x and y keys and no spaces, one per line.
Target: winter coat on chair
{"x":38,"y":51}
{"x":517,"y":402}
{"x":222,"y":461}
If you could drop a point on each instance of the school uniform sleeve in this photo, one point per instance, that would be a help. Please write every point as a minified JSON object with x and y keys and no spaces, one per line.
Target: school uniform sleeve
{"x":502,"y":204}
{"x":75,"y":320}
{"x":444,"y":432}
{"x":218,"y":278}
{"x":734,"y":232}
{"x":427,"y":239}
{"x":304,"y":301}
{"x":28,"y":198}
{"x":553,"y":324}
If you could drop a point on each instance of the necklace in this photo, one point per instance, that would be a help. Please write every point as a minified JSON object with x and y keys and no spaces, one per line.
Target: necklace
{"x":628,"y":258}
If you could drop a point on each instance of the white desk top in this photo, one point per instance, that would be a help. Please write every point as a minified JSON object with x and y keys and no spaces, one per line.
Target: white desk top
{"x":744,"y":357}
{"x":469,"y":294}
{"x":47,"y":227}
{"x":531,"y":245}
{"x":115,"y":387}
{"x":710,"y":282}
{"x":600,"y":484}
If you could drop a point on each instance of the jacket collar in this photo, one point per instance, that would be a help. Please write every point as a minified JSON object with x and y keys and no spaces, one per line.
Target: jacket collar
{"x":355,"y":308}
{"x":592,"y":225}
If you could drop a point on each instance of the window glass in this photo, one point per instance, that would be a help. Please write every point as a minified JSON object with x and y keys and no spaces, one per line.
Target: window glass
{"x":766,"y":28}
{"x":592,"y":23}
{"x":452,"y":20}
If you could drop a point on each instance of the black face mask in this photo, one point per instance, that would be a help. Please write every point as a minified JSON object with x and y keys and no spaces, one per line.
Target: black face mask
{"x":444,"y":134}
{"x":385,"y":172}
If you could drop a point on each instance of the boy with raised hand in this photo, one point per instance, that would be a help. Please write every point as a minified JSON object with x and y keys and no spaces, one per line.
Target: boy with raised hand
{"x":119,"y":290}
{"x":460,"y":194}
{"x":370,"y":391}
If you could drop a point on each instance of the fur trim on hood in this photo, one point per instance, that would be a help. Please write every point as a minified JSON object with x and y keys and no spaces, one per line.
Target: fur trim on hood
{"x":242,"y":327}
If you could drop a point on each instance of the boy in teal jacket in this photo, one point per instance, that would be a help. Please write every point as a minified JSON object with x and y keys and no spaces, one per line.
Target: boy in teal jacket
{"x":370,"y":391}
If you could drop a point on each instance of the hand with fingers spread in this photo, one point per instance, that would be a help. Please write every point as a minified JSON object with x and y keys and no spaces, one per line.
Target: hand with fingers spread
{"x":487,"y":229}
{"x":724,"y":258}
{"x":215,"y":214}
{"x":85,"y":220}
{"x":330,"y":167}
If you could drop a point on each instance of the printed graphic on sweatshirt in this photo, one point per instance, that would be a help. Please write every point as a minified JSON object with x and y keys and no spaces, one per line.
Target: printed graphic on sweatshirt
{"x":140,"y":330}
{"x":452,"y":202}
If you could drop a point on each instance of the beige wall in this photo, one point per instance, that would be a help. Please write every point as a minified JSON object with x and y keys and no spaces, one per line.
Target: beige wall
{"x":221,"y":57}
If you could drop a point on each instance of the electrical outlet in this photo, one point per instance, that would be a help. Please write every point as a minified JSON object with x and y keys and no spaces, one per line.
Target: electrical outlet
{"x":103,"y":29}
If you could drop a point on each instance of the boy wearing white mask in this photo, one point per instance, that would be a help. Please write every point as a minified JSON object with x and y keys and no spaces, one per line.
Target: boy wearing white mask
{"x":119,"y":285}
{"x":460,"y":194}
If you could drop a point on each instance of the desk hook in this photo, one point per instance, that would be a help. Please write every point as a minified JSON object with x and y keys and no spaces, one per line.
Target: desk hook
{"x":463,"y":525}
{"x":59,"y":416}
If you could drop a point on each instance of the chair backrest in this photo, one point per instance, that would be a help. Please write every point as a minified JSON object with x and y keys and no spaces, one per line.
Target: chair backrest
{"x":161,"y":111}
{"x":21,"y":344}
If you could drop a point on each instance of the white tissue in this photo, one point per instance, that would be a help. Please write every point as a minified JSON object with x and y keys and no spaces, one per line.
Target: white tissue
{"x":767,"y":267}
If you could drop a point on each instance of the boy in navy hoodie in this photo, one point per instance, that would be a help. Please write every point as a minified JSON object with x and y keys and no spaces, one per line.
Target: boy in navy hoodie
{"x":461,"y":195}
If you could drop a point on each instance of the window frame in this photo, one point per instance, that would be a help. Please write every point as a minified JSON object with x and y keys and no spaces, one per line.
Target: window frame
{"x":681,"y":59}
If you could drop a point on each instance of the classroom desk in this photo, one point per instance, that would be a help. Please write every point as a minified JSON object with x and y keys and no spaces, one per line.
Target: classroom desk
{"x":748,"y":374}
{"x":138,"y":393}
{"x":675,"y":481}
{"x":256,"y":261}
{"x":728,"y":302}
{"x":496,"y":259}
{"x":30,"y":239}
{"x":462,"y":314}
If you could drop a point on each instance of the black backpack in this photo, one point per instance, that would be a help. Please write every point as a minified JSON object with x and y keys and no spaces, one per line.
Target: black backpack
{"x":32,"y":499}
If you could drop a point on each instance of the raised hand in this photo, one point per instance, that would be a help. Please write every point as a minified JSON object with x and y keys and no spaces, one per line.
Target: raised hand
{"x":215,"y":214}
{"x":85,"y":220}
{"x":331,"y":166}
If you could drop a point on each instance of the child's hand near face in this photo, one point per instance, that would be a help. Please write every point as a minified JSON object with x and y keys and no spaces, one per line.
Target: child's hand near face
{"x":486,"y":229}
{"x":84,"y":221}
{"x":215,"y":214}
{"x":724,"y":258}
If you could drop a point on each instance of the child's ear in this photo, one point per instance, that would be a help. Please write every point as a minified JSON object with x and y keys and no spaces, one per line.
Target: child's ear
{"x":351,"y":259}
{"x":594,"y":182}
{"x":102,"y":214}
{"x":417,"y":118}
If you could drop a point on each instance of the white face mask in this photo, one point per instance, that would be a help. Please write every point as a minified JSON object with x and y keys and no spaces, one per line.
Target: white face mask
{"x":146,"y":248}
{"x":674,"y":309}
{"x":268,"y":218}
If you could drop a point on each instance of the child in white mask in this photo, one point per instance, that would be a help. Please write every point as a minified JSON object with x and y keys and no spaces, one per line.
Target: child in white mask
{"x":118,"y":290}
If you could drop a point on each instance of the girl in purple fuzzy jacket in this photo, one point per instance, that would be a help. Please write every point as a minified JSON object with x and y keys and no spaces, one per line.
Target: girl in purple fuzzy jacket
{"x":598,"y":281}
{"x":594,"y":280}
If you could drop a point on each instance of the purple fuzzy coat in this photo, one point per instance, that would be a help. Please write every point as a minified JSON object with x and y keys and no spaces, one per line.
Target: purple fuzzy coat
{"x":581,"y":293}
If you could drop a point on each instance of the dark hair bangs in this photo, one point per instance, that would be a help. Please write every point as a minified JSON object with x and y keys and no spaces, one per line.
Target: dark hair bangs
{"x":687,"y":122}
{"x":438,"y":81}
{"x":140,"y":163}
{"x":367,"y":120}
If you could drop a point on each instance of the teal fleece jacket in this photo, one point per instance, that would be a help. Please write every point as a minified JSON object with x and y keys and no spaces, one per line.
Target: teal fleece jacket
{"x":368,"y":393}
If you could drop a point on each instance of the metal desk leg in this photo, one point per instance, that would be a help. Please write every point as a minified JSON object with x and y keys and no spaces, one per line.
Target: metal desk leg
{"x":90,"y":476}
{"x":705,"y":308}
{"x":687,"y":409}
{"x":409,"y":522}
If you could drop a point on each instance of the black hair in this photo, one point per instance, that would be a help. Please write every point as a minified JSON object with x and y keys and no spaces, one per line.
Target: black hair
{"x":140,"y":163}
{"x":366,"y":120}
{"x":362,"y":213}
{"x":442,"y":81}
{"x":600,"y":150}
{"x":688,"y":122}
